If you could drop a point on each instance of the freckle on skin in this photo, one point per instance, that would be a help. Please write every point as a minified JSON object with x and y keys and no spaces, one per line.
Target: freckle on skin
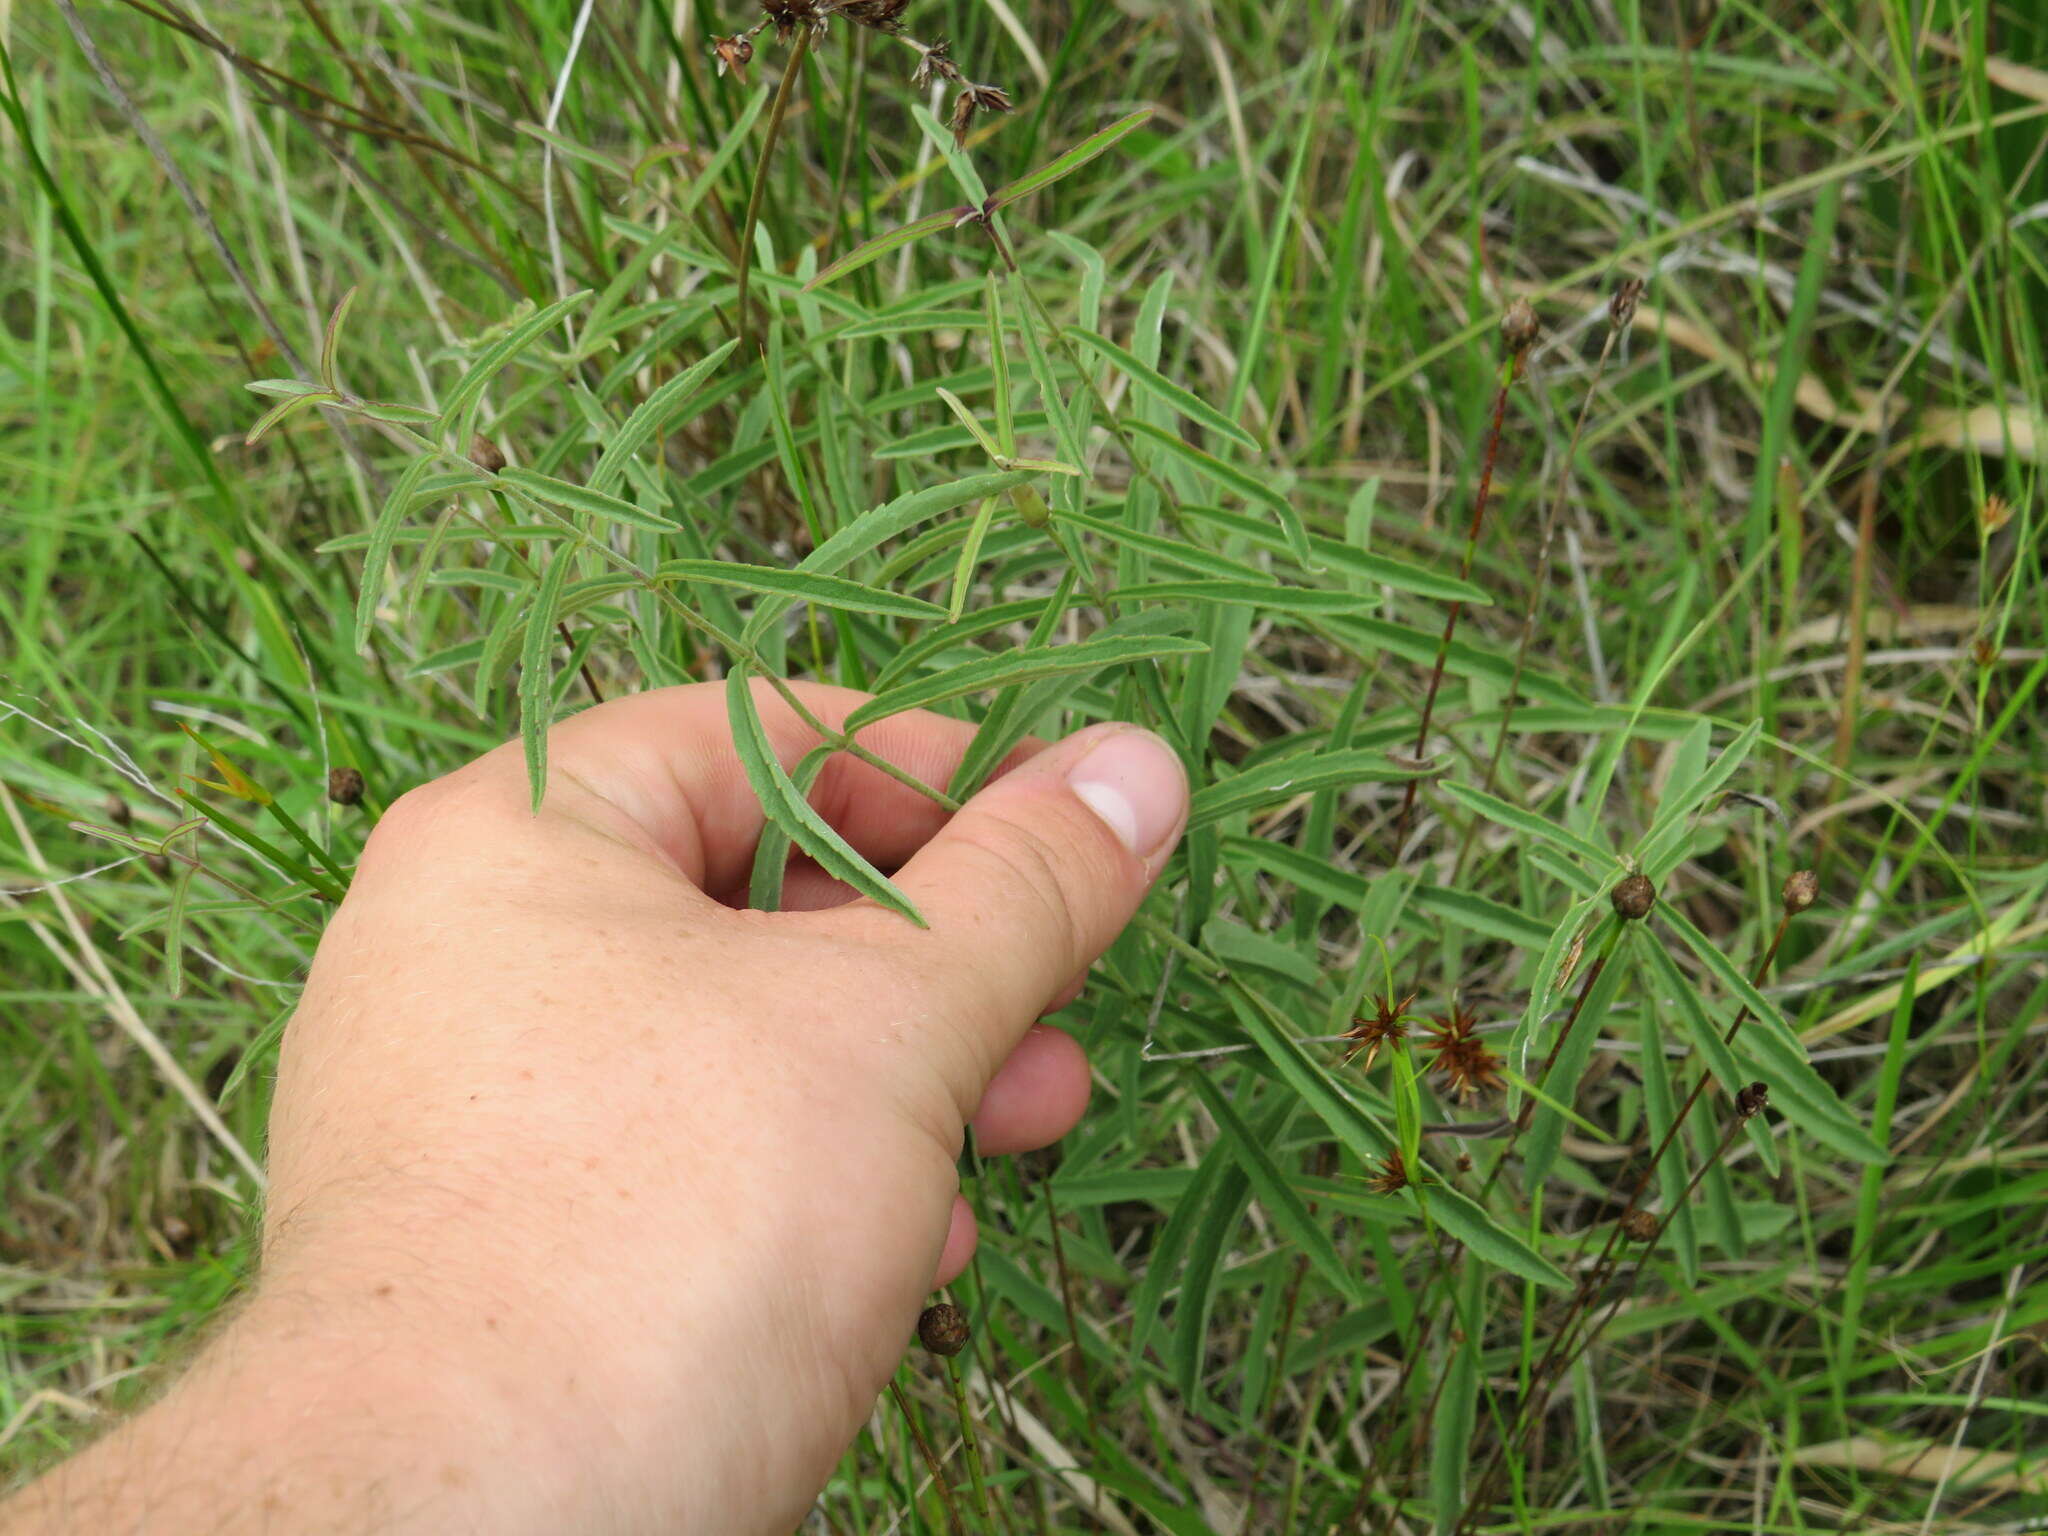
{"x":491,"y":1323}
{"x":384,"y":1289}
{"x":455,"y":1477}
{"x":526,"y":1074}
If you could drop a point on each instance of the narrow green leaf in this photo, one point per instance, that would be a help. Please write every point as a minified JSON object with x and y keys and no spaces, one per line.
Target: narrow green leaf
{"x":283,"y":389}
{"x":1515,"y":819}
{"x":1241,"y":481}
{"x":330,"y":340}
{"x":834,"y":592}
{"x":1068,"y":163}
{"x":536,"y":674}
{"x":393,"y":411}
{"x":658,"y":412}
{"x":469,"y":389}
{"x":281,"y":410}
{"x":883,"y":244}
{"x":1289,"y":1215}
{"x":383,"y":533}
{"x":1291,"y":776}
{"x":1346,"y":1119}
{"x":1704,"y":1033}
{"x":771,"y":854}
{"x":1184,"y":401}
{"x":1248,"y":594}
{"x":1464,"y":1220}
{"x":970,"y":556}
{"x":535,"y":486}
{"x":1021,"y":666}
{"x":968,"y":420}
{"x":1797,"y":1090}
{"x":785,"y":805}
{"x":1457,"y":1409}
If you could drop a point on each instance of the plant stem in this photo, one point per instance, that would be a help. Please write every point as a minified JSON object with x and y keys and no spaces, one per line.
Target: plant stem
{"x":971,"y":1441}
{"x":783,"y":91}
{"x":1543,"y":547}
{"x":1443,"y":649}
{"x":931,"y":1460}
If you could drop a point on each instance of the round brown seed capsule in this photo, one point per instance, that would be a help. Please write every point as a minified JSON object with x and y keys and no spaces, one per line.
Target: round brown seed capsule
{"x":1802,"y":890}
{"x":1633,"y":897}
{"x":942,"y":1329}
{"x":345,"y":786}
{"x":1751,"y":1101}
{"x":1639,"y":1226}
{"x":485,"y":454}
{"x":1519,"y":327}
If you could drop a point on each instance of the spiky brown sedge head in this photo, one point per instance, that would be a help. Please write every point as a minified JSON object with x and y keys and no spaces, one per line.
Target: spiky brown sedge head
{"x":1753,"y":1100}
{"x":1639,"y":1226}
{"x":1387,"y":1022}
{"x":1802,"y":890}
{"x":1391,"y":1176}
{"x":1621,"y":309}
{"x":1468,"y":1066}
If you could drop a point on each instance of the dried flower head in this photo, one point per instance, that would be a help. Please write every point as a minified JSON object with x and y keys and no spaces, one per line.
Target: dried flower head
{"x":1984,"y":651}
{"x":936,"y":62}
{"x":1994,"y":514}
{"x":485,"y":454}
{"x":1392,"y":1176}
{"x":788,"y":15}
{"x":1468,"y":1066}
{"x":1633,"y":896}
{"x":1388,"y":1021}
{"x":972,"y":99}
{"x":345,"y":786}
{"x":880,"y":14}
{"x":942,"y":1329}
{"x":734,"y":53}
{"x":1802,"y":890}
{"x":1752,"y":1101}
{"x":1639,"y":1226}
{"x":1519,"y":327}
{"x":1621,"y":308}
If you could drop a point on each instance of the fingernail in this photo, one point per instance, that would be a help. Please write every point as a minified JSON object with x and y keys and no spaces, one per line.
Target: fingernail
{"x":1134,"y":782}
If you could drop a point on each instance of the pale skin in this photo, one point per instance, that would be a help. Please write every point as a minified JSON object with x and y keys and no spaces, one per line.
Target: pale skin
{"x":598,"y":1204}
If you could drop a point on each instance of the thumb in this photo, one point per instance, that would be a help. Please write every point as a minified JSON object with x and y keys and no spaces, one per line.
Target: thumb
{"x":1029,"y":882}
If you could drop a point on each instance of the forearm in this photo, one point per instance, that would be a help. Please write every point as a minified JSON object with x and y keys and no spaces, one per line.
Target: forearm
{"x":287,"y":1424}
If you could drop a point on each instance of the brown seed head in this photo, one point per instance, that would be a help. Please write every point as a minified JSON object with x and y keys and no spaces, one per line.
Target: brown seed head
{"x":973,"y":99}
{"x":1621,"y":309}
{"x":1994,"y":514}
{"x":1633,"y":896}
{"x":1463,"y":1058}
{"x":1392,"y":1176}
{"x":942,"y":1329}
{"x":1985,"y":650}
{"x":1802,"y":890}
{"x":345,"y":786}
{"x":936,"y":62}
{"x":1387,"y":1022}
{"x":485,"y":454}
{"x":880,"y":14}
{"x":733,"y":53}
{"x":1519,"y":327}
{"x":788,"y":15}
{"x":1639,"y":1226}
{"x":1752,"y":1101}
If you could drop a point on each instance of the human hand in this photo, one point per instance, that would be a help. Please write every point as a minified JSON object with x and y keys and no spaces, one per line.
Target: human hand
{"x":611,"y":1207}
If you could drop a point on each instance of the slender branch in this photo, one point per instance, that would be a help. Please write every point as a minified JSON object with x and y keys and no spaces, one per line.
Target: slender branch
{"x":791,"y":69}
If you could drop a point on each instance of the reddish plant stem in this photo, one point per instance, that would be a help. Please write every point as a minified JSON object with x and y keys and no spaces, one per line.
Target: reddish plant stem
{"x":931,"y":1460}
{"x":1443,"y":649}
{"x":1539,"y":1379}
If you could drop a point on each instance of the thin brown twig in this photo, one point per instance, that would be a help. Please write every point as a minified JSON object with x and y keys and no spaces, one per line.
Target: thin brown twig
{"x":1519,"y":341}
{"x":931,"y":1459}
{"x":792,"y":67}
